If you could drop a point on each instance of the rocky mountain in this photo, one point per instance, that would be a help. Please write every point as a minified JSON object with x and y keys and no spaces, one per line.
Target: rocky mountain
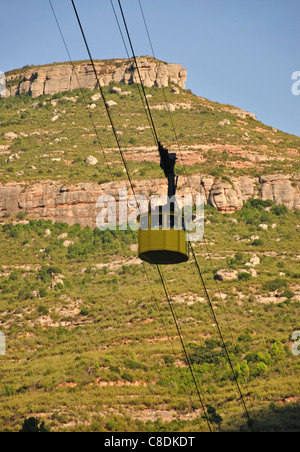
{"x":90,"y":339}
{"x":76,"y":203}
{"x":58,"y":78}
{"x":51,"y":165}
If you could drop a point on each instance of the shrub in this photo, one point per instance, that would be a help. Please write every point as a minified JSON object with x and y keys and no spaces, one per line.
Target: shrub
{"x":244,"y":276}
{"x":245,"y":337}
{"x":21,"y":215}
{"x":275,"y":284}
{"x":59,"y":286}
{"x":279,"y":210}
{"x":169,"y":360}
{"x":259,"y":203}
{"x":132,"y":364}
{"x":33,"y":425}
{"x":127,"y":376}
{"x":288,"y":294}
{"x":257,"y":242}
{"x":13,"y":231}
{"x":278,"y":350}
{"x":84,"y":311}
{"x":203,"y":355}
{"x":45,"y":273}
{"x":43,"y":310}
{"x":112,"y":426}
{"x":24,"y":294}
{"x":242,"y":370}
{"x":238,"y":260}
{"x":9,"y":390}
{"x":14,"y":276}
{"x":260,"y":369}
{"x":43,"y":293}
{"x":212,"y":416}
{"x":114,"y":369}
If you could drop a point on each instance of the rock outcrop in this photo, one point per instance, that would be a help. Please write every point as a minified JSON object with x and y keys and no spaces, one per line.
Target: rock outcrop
{"x":282,"y":190}
{"x":63,"y":77}
{"x":77,"y":203}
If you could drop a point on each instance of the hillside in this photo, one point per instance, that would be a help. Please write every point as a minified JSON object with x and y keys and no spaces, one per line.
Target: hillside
{"x":91,"y":344}
{"x":224,"y":152}
{"x":62,"y":77}
{"x":52,"y":125}
{"x":90,"y":340}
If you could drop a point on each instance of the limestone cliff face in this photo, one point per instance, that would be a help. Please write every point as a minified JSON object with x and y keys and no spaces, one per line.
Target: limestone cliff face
{"x":58,"y":78}
{"x":77,"y":203}
{"x":281,"y":190}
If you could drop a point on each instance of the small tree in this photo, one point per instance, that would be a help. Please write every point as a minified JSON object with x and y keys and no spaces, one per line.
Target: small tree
{"x":213,"y":417}
{"x":33,"y":425}
{"x":278,"y":351}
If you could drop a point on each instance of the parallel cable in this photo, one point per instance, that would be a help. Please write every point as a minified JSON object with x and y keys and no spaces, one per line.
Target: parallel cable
{"x":156,"y":136}
{"x":126,"y":168}
{"x":166,"y":329}
{"x":125,"y":163}
{"x":154,"y":129}
{"x":188,"y":360}
{"x":128,"y":56}
{"x":104,"y":100}
{"x":164,"y":92}
{"x":81,"y":90}
{"x":119,"y":27}
{"x":193,"y":252}
{"x":160,"y":273}
{"x":138,"y":70}
{"x":222,"y":339}
{"x":147,"y":29}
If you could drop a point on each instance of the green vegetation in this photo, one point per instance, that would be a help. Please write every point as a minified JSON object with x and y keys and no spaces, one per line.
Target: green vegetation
{"x":91,"y":344}
{"x":33,"y":425}
{"x":90,"y":340}
{"x":57,"y":150}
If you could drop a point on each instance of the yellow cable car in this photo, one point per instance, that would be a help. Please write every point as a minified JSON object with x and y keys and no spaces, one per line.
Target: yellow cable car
{"x":162,"y":235}
{"x":162,"y":238}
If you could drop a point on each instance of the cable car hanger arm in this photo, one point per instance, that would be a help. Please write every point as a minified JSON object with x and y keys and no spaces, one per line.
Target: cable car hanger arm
{"x":167,"y":164}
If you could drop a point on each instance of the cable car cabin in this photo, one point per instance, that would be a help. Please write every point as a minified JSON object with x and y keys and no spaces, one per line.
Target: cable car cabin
{"x":162,"y":233}
{"x":162,"y":238}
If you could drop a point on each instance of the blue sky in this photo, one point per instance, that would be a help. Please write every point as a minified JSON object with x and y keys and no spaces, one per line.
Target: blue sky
{"x":238,"y":52}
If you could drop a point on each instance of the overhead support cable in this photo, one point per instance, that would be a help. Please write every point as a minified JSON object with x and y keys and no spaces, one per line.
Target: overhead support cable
{"x":81,"y":90}
{"x":158,"y":143}
{"x":139,"y":74}
{"x":125,"y":163}
{"x":222,"y":339}
{"x":164,"y":92}
{"x":166,"y":329}
{"x":193,"y":252}
{"x":187,"y":357}
{"x":103,"y":98}
{"x":130,"y":58}
{"x":128,"y":175}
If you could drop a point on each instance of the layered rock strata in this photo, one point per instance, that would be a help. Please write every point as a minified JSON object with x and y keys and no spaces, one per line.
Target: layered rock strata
{"x":77,"y":204}
{"x":63,"y":77}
